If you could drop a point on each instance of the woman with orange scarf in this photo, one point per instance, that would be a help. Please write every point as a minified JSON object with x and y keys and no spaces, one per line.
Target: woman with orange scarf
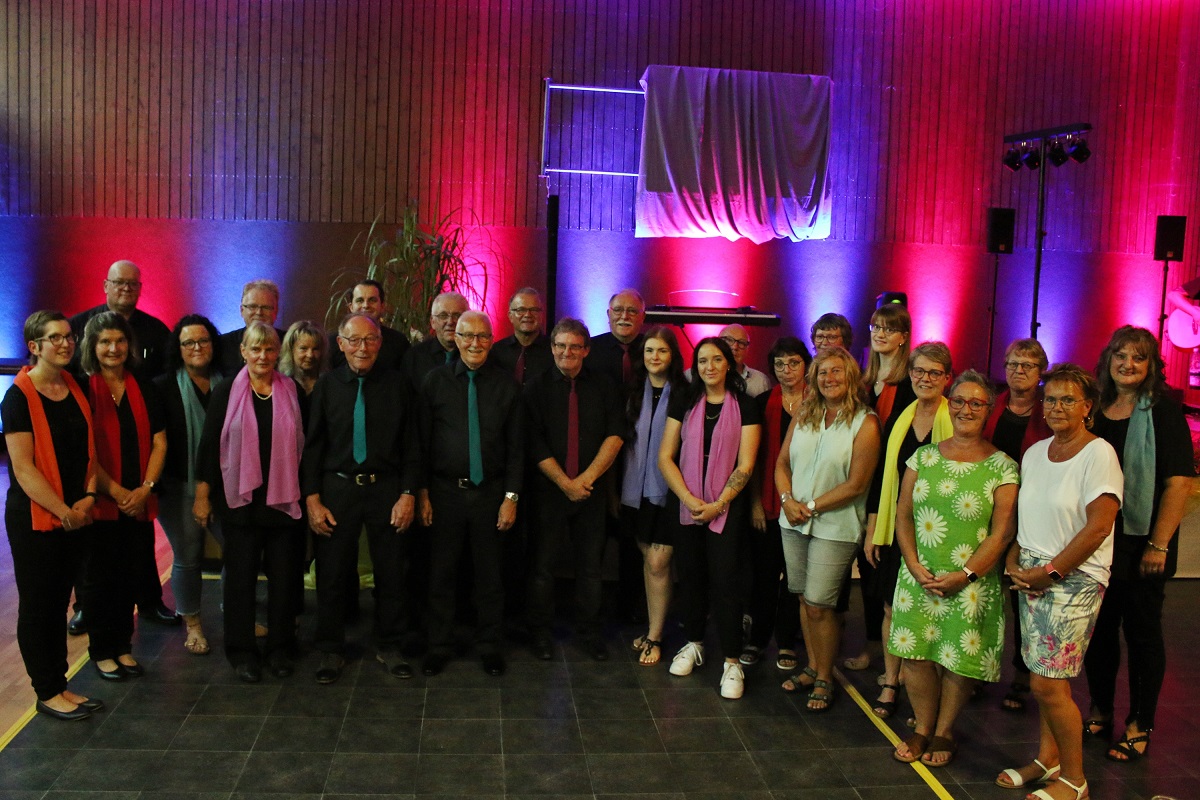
{"x":131,"y":447}
{"x":51,"y":491}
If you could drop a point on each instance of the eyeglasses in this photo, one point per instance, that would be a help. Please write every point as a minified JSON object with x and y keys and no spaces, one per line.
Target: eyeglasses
{"x":121,"y":283}
{"x":482,"y":338}
{"x":789,"y":365}
{"x":195,"y":344}
{"x":257,"y":309}
{"x":827,"y":338}
{"x":932,"y":374}
{"x":1067,"y":403}
{"x":885,"y":329}
{"x":741,"y":344}
{"x":356,"y":342}
{"x":624,"y":311}
{"x":1021,"y":366}
{"x":446,"y":316}
{"x":560,"y":347}
{"x":976,"y":406}
{"x":522,"y":311}
{"x":56,"y":339}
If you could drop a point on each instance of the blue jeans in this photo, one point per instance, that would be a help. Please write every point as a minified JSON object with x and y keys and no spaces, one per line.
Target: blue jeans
{"x":187,"y":543}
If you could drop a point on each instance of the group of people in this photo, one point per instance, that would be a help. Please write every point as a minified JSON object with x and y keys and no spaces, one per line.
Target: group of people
{"x":1065,"y":491}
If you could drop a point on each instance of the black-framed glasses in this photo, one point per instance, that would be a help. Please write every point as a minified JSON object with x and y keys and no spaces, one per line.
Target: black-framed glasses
{"x":1021,"y":366}
{"x":122,"y":283}
{"x":254,"y":308}
{"x":976,"y":406}
{"x":735,"y":342}
{"x":932,"y":374}
{"x":563,"y":347}
{"x":822,"y":337}
{"x":885,"y":329}
{"x":195,"y":344}
{"x":789,"y":365}
{"x":523,"y":311}
{"x":356,"y":342}
{"x":56,"y":339}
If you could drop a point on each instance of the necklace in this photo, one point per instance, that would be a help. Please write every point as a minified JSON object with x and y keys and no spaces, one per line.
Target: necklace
{"x":266,"y":396}
{"x":790,"y":406}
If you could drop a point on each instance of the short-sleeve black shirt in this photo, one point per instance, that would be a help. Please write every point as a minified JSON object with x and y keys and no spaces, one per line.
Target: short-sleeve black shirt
{"x":69,"y":428}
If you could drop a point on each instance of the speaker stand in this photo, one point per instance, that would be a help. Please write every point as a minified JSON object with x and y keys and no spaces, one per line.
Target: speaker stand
{"x":992,"y":315}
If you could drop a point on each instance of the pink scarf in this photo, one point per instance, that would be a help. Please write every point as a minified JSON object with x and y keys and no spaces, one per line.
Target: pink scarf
{"x":722,"y":458}
{"x":241,"y":469}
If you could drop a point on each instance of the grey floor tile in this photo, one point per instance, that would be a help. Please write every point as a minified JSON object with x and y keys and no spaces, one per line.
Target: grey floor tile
{"x":460,"y":736}
{"x":716,"y":772}
{"x":376,"y":735}
{"x":594,"y":675}
{"x":685,"y":702}
{"x":42,"y":731}
{"x":775,"y":733}
{"x":404,"y":703}
{"x":135,"y":732}
{"x":620,"y":736}
{"x":227,"y":701}
{"x":167,"y":699}
{"x":312,"y":701}
{"x":198,"y":771}
{"x":32,"y":769}
{"x":873,"y":766}
{"x":217,"y":733}
{"x":442,"y":774}
{"x":812,"y":770}
{"x":372,"y":773}
{"x":110,"y":770}
{"x":532,"y":736}
{"x":537,"y":702}
{"x":632,"y":773}
{"x":462,"y":703}
{"x":298,"y":735}
{"x":611,"y":704}
{"x":546,"y":774}
{"x":285,"y":773}
{"x":707,"y":735}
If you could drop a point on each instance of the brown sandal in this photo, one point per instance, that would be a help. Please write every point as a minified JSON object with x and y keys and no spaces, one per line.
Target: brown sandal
{"x":940,"y":744}
{"x":195,"y":642}
{"x":917,"y":744}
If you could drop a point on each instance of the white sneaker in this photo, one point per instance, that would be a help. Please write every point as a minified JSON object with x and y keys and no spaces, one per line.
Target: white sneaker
{"x":690,"y":656}
{"x":733,"y":681}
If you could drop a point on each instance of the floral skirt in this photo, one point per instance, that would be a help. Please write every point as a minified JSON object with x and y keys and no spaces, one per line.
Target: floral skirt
{"x":1057,"y":626}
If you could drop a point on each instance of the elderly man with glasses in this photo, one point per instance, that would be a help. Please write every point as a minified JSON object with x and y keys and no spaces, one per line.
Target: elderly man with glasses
{"x":440,"y":348}
{"x":260,"y":303}
{"x":614,"y":353}
{"x":527,"y":352}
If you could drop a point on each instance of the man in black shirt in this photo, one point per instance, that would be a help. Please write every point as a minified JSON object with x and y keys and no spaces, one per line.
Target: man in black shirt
{"x":527,"y":352}
{"x":572,"y":450}
{"x":473,"y":444}
{"x":614,"y":353}
{"x":122,"y":290}
{"x":440,"y":348}
{"x":260,"y":303}
{"x":360,"y":466}
{"x":367,"y":298}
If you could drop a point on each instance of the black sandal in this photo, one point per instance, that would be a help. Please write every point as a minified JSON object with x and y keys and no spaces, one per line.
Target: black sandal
{"x":888,"y":707}
{"x":1015,"y":699}
{"x":648,"y":645}
{"x":797,"y":685}
{"x":1102,"y":727}
{"x":1126,"y":748}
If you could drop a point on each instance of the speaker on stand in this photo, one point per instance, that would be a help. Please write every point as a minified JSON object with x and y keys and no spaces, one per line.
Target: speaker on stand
{"x":1001,"y":227}
{"x":1168,"y":247}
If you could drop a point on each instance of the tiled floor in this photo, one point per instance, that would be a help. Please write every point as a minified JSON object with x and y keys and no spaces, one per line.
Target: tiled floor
{"x":566,"y":728}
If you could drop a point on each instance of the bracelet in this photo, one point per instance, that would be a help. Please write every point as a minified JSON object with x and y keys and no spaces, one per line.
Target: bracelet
{"x":93,"y":495}
{"x":1156,"y":547}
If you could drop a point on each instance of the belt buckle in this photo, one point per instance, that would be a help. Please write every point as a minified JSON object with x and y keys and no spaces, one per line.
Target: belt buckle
{"x":465,"y":483}
{"x":364,"y":479}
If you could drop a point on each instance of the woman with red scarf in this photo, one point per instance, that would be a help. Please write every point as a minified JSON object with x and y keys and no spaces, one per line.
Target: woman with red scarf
{"x":131,"y":447}
{"x":707,"y":456}
{"x":51,"y":492}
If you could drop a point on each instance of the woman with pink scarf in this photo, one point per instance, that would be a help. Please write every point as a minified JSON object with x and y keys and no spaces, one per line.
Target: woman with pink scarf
{"x":248,"y":471}
{"x":707,"y":455}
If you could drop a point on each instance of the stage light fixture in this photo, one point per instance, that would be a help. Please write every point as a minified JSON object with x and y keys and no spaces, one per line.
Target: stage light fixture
{"x":1012,"y":159}
{"x":1057,"y":154}
{"x":1079,"y":151}
{"x":1032,"y":157}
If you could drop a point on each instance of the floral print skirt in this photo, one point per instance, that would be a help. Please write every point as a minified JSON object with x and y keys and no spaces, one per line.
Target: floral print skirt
{"x":1057,"y":626}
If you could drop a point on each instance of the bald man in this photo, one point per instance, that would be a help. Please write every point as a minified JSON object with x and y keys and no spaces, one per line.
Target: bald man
{"x":738,"y":340}
{"x":122,"y":290}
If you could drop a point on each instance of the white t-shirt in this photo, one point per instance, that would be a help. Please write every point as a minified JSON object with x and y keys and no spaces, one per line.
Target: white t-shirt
{"x":1052,"y":505}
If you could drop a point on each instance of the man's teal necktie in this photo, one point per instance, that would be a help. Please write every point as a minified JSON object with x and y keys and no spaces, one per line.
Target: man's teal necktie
{"x":360,"y":425}
{"x":473,"y":443}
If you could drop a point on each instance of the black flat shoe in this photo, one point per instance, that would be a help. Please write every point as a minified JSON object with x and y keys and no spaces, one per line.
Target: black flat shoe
{"x":117,"y":674}
{"x":396,"y":665}
{"x":543,"y":649}
{"x":493,"y":664}
{"x":331,"y":668}
{"x":160,"y":615}
{"x":92,"y":704}
{"x":597,"y":649}
{"x":280,"y":664}
{"x":133,"y":670}
{"x":434,"y":663}
{"x":249,"y":672}
{"x":77,"y":627}
{"x":65,"y":716}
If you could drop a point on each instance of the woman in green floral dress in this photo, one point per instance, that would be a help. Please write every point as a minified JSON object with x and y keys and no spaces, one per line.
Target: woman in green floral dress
{"x":955,"y":520}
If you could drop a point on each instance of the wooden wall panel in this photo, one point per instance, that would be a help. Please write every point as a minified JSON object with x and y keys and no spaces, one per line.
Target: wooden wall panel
{"x":338,"y":110}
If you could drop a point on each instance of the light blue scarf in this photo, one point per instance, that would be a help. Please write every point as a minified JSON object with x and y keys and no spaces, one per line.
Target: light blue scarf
{"x":193,"y":415}
{"x":1140,"y":460}
{"x":642,"y":475}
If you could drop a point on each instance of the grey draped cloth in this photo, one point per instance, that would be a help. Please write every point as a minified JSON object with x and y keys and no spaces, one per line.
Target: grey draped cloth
{"x":734,"y":153}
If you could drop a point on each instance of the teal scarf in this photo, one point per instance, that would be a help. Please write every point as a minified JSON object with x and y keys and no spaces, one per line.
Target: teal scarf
{"x":193,"y":415}
{"x":1140,"y":459}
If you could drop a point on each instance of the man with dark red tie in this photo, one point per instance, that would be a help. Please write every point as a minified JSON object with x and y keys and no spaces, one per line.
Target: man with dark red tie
{"x":527,"y":352}
{"x":574,"y":429}
{"x":614,"y":353}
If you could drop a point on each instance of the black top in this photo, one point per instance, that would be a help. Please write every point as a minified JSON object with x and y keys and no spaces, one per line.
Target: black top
{"x":392,"y":444}
{"x":176,"y":423}
{"x":444,"y":424}
{"x":208,"y":458}
{"x":391,"y":350}
{"x":150,"y":337}
{"x":131,"y":470}
{"x":231,"y":351}
{"x":606,"y":355}
{"x":907,"y":448}
{"x":68,"y":427}
{"x":600,"y":417}
{"x":1010,"y":433}
{"x":538,"y":356}
{"x":904,"y":397}
{"x":678,"y":407}
{"x":424,"y":357}
{"x":1173,"y":458}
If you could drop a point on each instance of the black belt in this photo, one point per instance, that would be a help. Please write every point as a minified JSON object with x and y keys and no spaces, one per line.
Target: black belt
{"x":362,"y":478}
{"x":457,"y":483}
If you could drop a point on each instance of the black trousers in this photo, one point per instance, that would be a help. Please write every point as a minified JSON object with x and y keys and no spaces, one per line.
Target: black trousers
{"x":555,"y":521}
{"x":707,"y":565}
{"x":772,"y":607}
{"x":112,"y":580}
{"x":1135,"y":606}
{"x":147,"y":586}
{"x":354,"y":507}
{"x":465,"y":518}
{"x":273,"y":551}
{"x":45,"y":565}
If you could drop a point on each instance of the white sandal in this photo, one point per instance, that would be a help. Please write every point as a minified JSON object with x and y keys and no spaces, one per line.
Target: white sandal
{"x":1048,"y":774}
{"x":1081,"y":791}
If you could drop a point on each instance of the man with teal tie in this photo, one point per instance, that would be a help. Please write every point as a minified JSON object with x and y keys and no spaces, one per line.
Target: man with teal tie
{"x":472,"y":442}
{"x":360,"y":467}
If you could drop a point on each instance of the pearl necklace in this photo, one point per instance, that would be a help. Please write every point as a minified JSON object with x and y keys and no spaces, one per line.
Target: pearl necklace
{"x":266,"y":396}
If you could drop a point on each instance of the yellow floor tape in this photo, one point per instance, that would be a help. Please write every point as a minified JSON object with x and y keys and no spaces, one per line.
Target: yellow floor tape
{"x":891,"y":736}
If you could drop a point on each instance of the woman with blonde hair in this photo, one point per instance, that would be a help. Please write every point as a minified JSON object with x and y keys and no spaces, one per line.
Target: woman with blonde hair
{"x":302,"y":355}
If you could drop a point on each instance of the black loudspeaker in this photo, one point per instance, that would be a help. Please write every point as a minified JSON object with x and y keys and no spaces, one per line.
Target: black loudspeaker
{"x":1168,"y":238}
{"x":552,"y":258}
{"x":1001,"y":225}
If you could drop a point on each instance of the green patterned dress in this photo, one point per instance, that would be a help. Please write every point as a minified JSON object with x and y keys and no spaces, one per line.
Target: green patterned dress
{"x":952,"y":512}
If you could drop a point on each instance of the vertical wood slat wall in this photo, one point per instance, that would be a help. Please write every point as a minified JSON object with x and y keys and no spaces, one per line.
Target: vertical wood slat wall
{"x":335,"y":110}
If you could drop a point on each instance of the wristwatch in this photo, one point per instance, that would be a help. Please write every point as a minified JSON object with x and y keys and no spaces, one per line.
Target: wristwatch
{"x":971,"y":575}
{"x":148,"y":484}
{"x":1054,"y":574}
{"x":512,"y":496}
{"x":812,"y":507}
